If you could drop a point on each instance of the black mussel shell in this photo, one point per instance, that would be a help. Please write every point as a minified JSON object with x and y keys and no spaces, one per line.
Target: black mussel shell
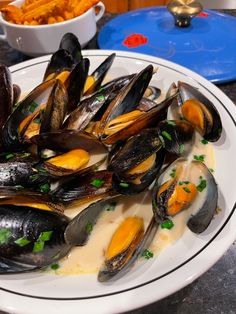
{"x":16,"y":173}
{"x":6,"y":94}
{"x":32,"y":236}
{"x":70,"y":43}
{"x":100,"y":73}
{"x":177,"y":136}
{"x":60,"y":61}
{"x":210,"y":115}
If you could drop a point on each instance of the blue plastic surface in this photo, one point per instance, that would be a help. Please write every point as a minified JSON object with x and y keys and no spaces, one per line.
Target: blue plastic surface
{"x":207,"y":46}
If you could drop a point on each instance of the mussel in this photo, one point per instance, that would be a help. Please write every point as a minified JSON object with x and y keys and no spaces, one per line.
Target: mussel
{"x":200,"y":112}
{"x":184,"y":185}
{"x":31,"y":237}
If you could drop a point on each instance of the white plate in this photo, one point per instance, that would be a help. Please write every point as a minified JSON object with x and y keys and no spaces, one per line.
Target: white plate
{"x":179,"y":264}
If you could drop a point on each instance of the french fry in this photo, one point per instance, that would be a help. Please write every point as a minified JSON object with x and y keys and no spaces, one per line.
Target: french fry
{"x":38,"y":12}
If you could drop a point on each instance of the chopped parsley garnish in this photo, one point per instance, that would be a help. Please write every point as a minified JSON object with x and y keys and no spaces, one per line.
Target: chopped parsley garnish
{"x":33,"y":106}
{"x":37,"y":120}
{"x":22,"y":241}
{"x":8,"y":156}
{"x":101,"y":89}
{"x":199,"y":157}
{"x":44,"y":188}
{"x":100,"y":98}
{"x":25,"y":155}
{"x":162,"y":140}
{"x":204,"y":142}
{"x":19,"y":187}
{"x":110,"y":207}
{"x":202,"y":185}
{"x":45,"y":236}
{"x":167,"y":135}
{"x":89,"y":228}
{"x":211,"y":170}
{"x":124,"y":184}
{"x":38,"y":246}
{"x":147,"y":254}
{"x":173,"y":172}
{"x":34,"y":177}
{"x":186,"y":190}
{"x":5,"y":235}
{"x":181,"y":148}
{"x":168,"y":224}
{"x":171,"y":122}
{"x":55,"y":266}
{"x":183,"y":182}
{"x":97,"y":183}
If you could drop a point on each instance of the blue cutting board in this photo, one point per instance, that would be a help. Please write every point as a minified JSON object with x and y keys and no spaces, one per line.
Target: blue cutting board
{"x":207,"y":46}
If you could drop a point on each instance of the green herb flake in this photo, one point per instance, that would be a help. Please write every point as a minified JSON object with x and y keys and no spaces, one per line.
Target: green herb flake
{"x":147,"y":254}
{"x":183,"y":182}
{"x":199,"y":157}
{"x":162,"y":140}
{"x":171,"y":122}
{"x":5,"y":235}
{"x":9,"y":156}
{"x":38,"y":246}
{"x":34,"y":177}
{"x":89,"y":228}
{"x":204,"y":142}
{"x":181,"y":148}
{"x":55,"y":266}
{"x":100,"y":98}
{"x":44,"y":188}
{"x":101,"y":89}
{"x":124,"y":184}
{"x":173,"y":173}
{"x":33,"y":106}
{"x":19,"y":187}
{"x":110,"y":207}
{"x":211,"y":169}
{"x":168,"y":224}
{"x":22,"y":241}
{"x":202,"y":185}
{"x":37,"y":121}
{"x":45,"y":236}
{"x":166,"y":135}
{"x":25,"y":155}
{"x":186,"y":190}
{"x":97,"y":183}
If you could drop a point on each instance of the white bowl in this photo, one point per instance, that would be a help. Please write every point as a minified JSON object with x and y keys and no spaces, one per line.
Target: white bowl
{"x":44,"y":39}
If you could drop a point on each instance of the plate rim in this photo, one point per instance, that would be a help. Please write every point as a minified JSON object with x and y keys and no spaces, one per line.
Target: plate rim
{"x":230,"y":217}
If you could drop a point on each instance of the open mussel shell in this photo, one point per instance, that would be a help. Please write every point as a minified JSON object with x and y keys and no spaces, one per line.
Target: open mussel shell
{"x":177,"y":136}
{"x":16,"y":93}
{"x":84,"y":187}
{"x":18,"y":195}
{"x":70,"y":43}
{"x":66,"y":140}
{"x":75,"y":83}
{"x":94,"y":106}
{"x":125,"y":102}
{"x":188,"y":186}
{"x":200,"y":111}
{"x":32,"y":236}
{"x":60,"y":61}
{"x":152,"y":93}
{"x":121,"y":255}
{"x":135,"y":150}
{"x":76,"y":232}
{"x":55,"y":110}
{"x":25,"y":113}
{"x":98,"y":75}
{"x":6,"y":94}
{"x":129,"y":183}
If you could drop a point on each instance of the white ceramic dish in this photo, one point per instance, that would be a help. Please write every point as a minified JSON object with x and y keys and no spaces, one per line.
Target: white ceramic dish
{"x":44,"y":39}
{"x":179,"y":264}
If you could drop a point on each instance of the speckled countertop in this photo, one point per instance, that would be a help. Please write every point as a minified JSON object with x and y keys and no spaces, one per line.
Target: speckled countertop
{"x":215,"y":291}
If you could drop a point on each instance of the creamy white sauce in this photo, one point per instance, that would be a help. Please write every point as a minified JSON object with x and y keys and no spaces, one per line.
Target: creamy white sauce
{"x":89,"y":258}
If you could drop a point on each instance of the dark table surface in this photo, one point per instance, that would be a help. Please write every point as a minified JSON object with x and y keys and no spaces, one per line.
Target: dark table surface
{"x":215,"y":291}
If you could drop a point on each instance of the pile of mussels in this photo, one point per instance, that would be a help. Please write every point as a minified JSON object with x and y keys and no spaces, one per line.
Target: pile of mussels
{"x":65,"y":129}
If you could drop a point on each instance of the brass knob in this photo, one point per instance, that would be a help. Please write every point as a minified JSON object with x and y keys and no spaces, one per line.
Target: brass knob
{"x":184,"y":10}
